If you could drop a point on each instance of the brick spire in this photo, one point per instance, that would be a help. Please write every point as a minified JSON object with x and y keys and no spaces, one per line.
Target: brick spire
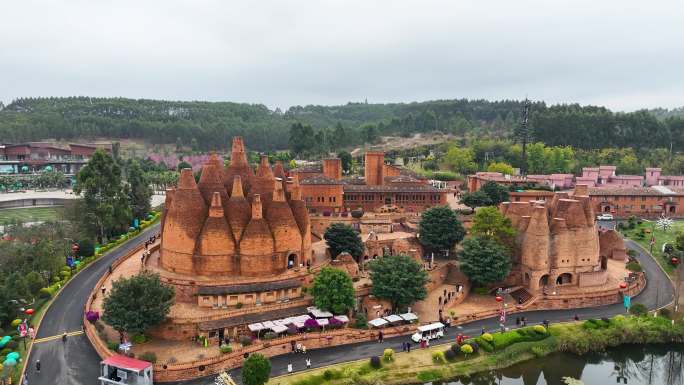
{"x":238,"y":209}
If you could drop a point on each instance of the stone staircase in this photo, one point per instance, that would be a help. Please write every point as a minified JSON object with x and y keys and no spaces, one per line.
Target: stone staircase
{"x":521,"y":295}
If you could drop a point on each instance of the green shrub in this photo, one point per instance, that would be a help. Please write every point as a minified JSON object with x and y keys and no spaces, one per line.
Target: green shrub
{"x":361,"y":322}
{"x":486,"y":345}
{"x":634,"y":267}
{"x":5,"y":351}
{"x":539,"y":329}
{"x":375,"y":362}
{"x":487,"y":337}
{"x":429,"y":375}
{"x":474,"y":346}
{"x":466,"y":349}
{"x":438,"y":357}
{"x":224,"y":349}
{"x":139,"y":339}
{"x":450,"y":355}
{"x":481,"y":290}
{"x":456,"y":348}
{"x":112,"y":346}
{"x":149,"y":357}
{"x":638,"y":309}
{"x":388,"y":355}
{"x":328,"y":375}
{"x":44,"y":293}
{"x":270,"y":335}
{"x":238,"y":305}
{"x":13,"y":344}
{"x":65,"y":275}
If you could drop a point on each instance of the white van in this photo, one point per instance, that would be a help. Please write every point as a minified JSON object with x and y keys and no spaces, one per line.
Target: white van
{"x":429,"y":332}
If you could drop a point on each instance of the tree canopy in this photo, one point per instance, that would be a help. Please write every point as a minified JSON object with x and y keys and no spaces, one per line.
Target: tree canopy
{"x":490,"y":222}
{"x":399,"y":279}
{"x":484,"y":260}
{"x":333,"y":291}
{"x":476,"y":199}
{"x":139,"y":191}
{"x":341,"y":237}
{"x":135,"y":304}
{"x":106,"y":203}
{"x":256,"y":370}
{"x":496,"y":192}
{"x":440,"y":229}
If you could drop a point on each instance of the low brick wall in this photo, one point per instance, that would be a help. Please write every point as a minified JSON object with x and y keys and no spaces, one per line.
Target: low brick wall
{"x":189,"y":370}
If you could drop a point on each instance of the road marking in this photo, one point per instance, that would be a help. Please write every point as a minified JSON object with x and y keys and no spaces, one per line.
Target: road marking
{"x":46,"y":339}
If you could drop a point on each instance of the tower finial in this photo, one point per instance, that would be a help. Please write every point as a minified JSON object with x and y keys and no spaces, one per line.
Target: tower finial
{"x":237,"y":187}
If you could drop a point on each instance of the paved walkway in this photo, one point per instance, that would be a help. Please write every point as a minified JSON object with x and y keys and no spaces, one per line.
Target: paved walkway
{"x":73,"y":362}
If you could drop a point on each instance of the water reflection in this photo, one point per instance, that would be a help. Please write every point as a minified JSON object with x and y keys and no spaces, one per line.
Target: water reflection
{"x":630,"y":364}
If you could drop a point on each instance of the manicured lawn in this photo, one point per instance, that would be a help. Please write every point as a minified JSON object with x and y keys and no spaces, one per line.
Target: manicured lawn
{"x":661,"y":237}
{"x":30,"y":214}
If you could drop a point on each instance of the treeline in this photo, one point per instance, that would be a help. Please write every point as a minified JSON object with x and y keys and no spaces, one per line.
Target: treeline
{"x":210,"y":125}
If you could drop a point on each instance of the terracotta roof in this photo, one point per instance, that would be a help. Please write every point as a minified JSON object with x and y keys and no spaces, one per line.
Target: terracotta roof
{"x":312,"y":168}
{"x":320,"y":179}
{"x":645,"y":191}
{"x":123,"y":362}
{"x":252,"y":318}
{"x":248,"y":288}
{"x":401,"y":179}
{"x":390,"y":188}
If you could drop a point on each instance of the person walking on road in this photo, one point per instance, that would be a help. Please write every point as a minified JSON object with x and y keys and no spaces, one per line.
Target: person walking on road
{"x":64,"y":337}
{"x":37,"y":366}
{"x":308,"y":363}
{"x":25,"y":380}
{"x":408,"y":347}
{"x":289,"y":368}
{"x":381,"y":337}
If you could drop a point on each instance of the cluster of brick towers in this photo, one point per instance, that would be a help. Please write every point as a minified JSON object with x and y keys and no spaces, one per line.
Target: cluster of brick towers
{"x":235,"y":223}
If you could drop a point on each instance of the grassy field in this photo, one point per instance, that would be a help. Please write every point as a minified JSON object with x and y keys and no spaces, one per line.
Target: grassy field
{"x":30,"y":214}
{"x":661,"y":237}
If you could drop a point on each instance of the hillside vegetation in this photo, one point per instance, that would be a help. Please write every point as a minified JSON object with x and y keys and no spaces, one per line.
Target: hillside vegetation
{"x":210,"y":125}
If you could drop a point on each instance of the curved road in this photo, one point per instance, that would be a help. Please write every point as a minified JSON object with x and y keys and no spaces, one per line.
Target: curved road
{"x":74,"y":362}
{"x":77,"y":363}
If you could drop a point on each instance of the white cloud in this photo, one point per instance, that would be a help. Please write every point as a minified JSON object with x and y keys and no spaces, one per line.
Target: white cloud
{"x":623,"y":54}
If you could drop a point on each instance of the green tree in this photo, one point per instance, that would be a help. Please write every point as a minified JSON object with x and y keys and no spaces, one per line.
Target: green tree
{"x":256,"y":370}
{"x":399,"y":279}
{"x":34,"y":282}
{"x":183,"y":164}
{"x":302,"y":139}
{"x":476,"y":199}
{"x":484,"y":260}
{"x":106,"y":204}
{"x":333,"y":291}
{"x":346,"y":160}
{"x":489,"y":222}
{"x":440,"y":228}
{"x":679,"y":241}
{"x":496,"y":192}
{"x":460,"y":160}
{"x":139,"y":191}
{"x":341,"y":237}
{"x":137,"y":303}
{"x":501,"y":167}
{"x":369,"y":133}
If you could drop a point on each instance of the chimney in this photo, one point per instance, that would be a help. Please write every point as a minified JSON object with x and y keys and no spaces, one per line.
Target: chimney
{"x":256,"y":207}
{"x":279,"y":193}
{"x":332,"y":168}
{"x":581,"y":190}
{"x":216,"y":210}
{"x":237,"y":187}
{"x":238,"y":156}
{"x":374,"y":171}
{"x":186,"y":180}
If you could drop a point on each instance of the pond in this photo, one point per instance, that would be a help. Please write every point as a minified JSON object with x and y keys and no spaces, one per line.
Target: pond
{"x":628,"y":364}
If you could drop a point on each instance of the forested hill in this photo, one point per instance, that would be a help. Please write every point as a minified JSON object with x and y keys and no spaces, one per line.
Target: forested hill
{"x":211,"y":124}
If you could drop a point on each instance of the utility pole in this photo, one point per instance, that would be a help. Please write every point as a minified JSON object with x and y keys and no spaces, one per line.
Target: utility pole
{"x":524,"y":135}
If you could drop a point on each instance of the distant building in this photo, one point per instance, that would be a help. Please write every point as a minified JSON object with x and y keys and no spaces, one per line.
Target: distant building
{"x":325,"y":191}
{"x":43,"y":156}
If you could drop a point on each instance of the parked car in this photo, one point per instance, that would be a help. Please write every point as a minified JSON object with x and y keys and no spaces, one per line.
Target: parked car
{"x":605,"y":217}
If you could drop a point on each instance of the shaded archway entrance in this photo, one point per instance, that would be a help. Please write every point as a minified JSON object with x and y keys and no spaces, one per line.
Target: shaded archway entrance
{"x":291,"y":261}
{"x":604,"y":262}
{"x":564,"y":279}
{"x":544,"y":280}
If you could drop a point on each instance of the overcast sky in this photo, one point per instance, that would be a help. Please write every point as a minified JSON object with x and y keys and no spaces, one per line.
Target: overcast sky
{"x":622,"y":54}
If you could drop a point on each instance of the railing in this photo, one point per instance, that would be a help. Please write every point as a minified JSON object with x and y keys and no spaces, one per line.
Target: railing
{"x":250,"y":309}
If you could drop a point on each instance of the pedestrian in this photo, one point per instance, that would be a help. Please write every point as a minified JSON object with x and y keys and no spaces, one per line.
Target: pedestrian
{"x":25,"y":380}
{"x":303,"y":349}
{"x":517,"y":321}
{"x":104,"y":289}
{"x":292,"y":344}
{"x":308,"y":363}
{"x":64,"y":337}
{"x":289,"y":368}
{"x":576,"y":317}
{"x":408,"y":347}
{"x":380,"y":336}
{"x":422,"y":343}
{"x":298,"y":348}
{"x":37,"y":366}
{"x":403,"y":346}
{"x":482,"y":331}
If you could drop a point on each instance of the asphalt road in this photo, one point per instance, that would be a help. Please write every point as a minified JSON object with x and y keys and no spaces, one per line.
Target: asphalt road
{"x":74,"y":362}
{"x":658,"y":293}
{"x":77,"y":363}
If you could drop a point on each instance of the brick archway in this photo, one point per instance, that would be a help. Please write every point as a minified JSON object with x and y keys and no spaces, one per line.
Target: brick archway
{"x":564,"y":279}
